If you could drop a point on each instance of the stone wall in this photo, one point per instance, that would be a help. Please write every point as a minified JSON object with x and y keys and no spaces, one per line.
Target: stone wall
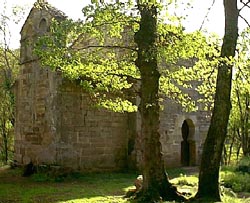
{"x":171,"y":124}
{"x":34,"y":126}
{"x":172,"y":118}
{"x":89,"y":138}
{"x":56,"y":122}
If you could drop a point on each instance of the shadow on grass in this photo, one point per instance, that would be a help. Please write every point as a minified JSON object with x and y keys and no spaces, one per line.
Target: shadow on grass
{"x":75,"y":188}
{"x":83,"y":188}
{"x":87,"y":188}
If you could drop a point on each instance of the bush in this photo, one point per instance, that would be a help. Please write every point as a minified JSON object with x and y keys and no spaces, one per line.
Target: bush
{"x":245,"y":161}
{"x":237,"y":181}
{"x":244,"y":165}
{"x":53,"y":173}
{"x":40,"y":177}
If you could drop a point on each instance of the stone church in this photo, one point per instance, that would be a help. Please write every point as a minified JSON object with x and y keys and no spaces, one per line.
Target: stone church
{"x":56,"y":123}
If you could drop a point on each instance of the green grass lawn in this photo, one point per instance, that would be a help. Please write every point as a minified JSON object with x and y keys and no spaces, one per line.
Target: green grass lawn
{"x":84,"y":188}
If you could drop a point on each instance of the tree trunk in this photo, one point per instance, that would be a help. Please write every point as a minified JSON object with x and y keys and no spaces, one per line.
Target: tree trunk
{"x":245,"y":127}
{"x":213,"y":146}
{"x":231,"y":151}
{"x":5,"y":141}
{"x":224,"y":159}
{"x":238,"y":152}
{"x":156,"y":185}
{"x":6,"y":155}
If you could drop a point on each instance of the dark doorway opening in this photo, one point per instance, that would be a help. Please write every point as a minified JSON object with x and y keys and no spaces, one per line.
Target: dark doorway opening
{"x":188,"y":149}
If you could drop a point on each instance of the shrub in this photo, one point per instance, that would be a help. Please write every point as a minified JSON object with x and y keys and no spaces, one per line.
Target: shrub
{"x":238,"y":181}
{"x":40,"y":177}
{"x":52,"y":173}
{"x":245,"y":161}
{"x":244,"y":165}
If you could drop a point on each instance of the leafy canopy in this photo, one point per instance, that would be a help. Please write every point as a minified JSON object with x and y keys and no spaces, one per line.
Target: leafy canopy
{"x":99,"y":52}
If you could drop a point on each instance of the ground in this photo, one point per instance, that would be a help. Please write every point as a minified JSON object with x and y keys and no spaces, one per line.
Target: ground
{"x":91,"y":188}
{"x":88,"y":188}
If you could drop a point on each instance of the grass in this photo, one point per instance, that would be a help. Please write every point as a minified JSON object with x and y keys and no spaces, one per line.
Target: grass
{"x":88,"y":188}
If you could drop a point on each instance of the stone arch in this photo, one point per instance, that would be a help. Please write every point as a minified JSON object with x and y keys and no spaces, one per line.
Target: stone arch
{"x":188,"y":144}
{"x":43,"y":26}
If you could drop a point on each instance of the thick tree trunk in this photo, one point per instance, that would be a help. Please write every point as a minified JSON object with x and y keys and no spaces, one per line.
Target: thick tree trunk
{"x":213,"y":146}
{"x":155,"y":181}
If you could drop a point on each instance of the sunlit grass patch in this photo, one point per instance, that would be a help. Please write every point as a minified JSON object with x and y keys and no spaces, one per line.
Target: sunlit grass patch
{"x":175,"y":172}
{"x":185,"y":180}
{"x":228,"y":199}
{"x":187,"y":185}
{"x":96,"y":187}
{"x":100,"y":199}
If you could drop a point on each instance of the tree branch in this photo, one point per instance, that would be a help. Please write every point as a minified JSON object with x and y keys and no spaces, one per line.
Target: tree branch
{"x":105,"y":46}
{"x":206,"y":16}
{"x":248,"y":24}
{"x":83,"y":35}
{"x":244,"y":5}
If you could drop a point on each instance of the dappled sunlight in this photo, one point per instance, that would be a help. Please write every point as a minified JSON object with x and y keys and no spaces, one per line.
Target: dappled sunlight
{"x":228,"y":199}
{"x":101,"y":188}
{"x":185,"y":180}
{"x":98,"y":199}
{"x":186,"y":185}
{"x":126,"y":189}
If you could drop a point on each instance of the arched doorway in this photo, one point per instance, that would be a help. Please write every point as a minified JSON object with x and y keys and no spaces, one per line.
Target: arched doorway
{"x":188,"y":147}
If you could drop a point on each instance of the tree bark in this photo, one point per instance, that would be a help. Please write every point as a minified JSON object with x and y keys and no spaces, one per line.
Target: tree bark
{"x":6,"y":154}
{"x":4,"y":134}
{"x":244,"y":125}
{"x":209,"y":170}
{"x":156,"y":185}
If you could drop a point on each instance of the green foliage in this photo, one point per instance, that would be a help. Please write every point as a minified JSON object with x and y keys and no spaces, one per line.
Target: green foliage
{"x":118,"y":105}
{"x":237,"y":177}
{"x":185,"y":180}
{"x":40,"y":177}
{"x":245,"y":161}
{"x":100,"y":53}
{"x":230,"y":199}
{"x":239,"y":182}
{"x":8,"y":73}
{"x":195,"y":68}
{"x":239,"y":123}
{"x":95,"y":52}
{"x":89,"y":188}
{"x":229,"y":168}
{"x":175,"y":172}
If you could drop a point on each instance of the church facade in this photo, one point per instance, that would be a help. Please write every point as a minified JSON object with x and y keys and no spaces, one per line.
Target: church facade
{"x":57,"y":125}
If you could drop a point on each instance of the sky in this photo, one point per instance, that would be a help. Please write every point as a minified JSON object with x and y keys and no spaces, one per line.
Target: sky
{"x":195,"y":16}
